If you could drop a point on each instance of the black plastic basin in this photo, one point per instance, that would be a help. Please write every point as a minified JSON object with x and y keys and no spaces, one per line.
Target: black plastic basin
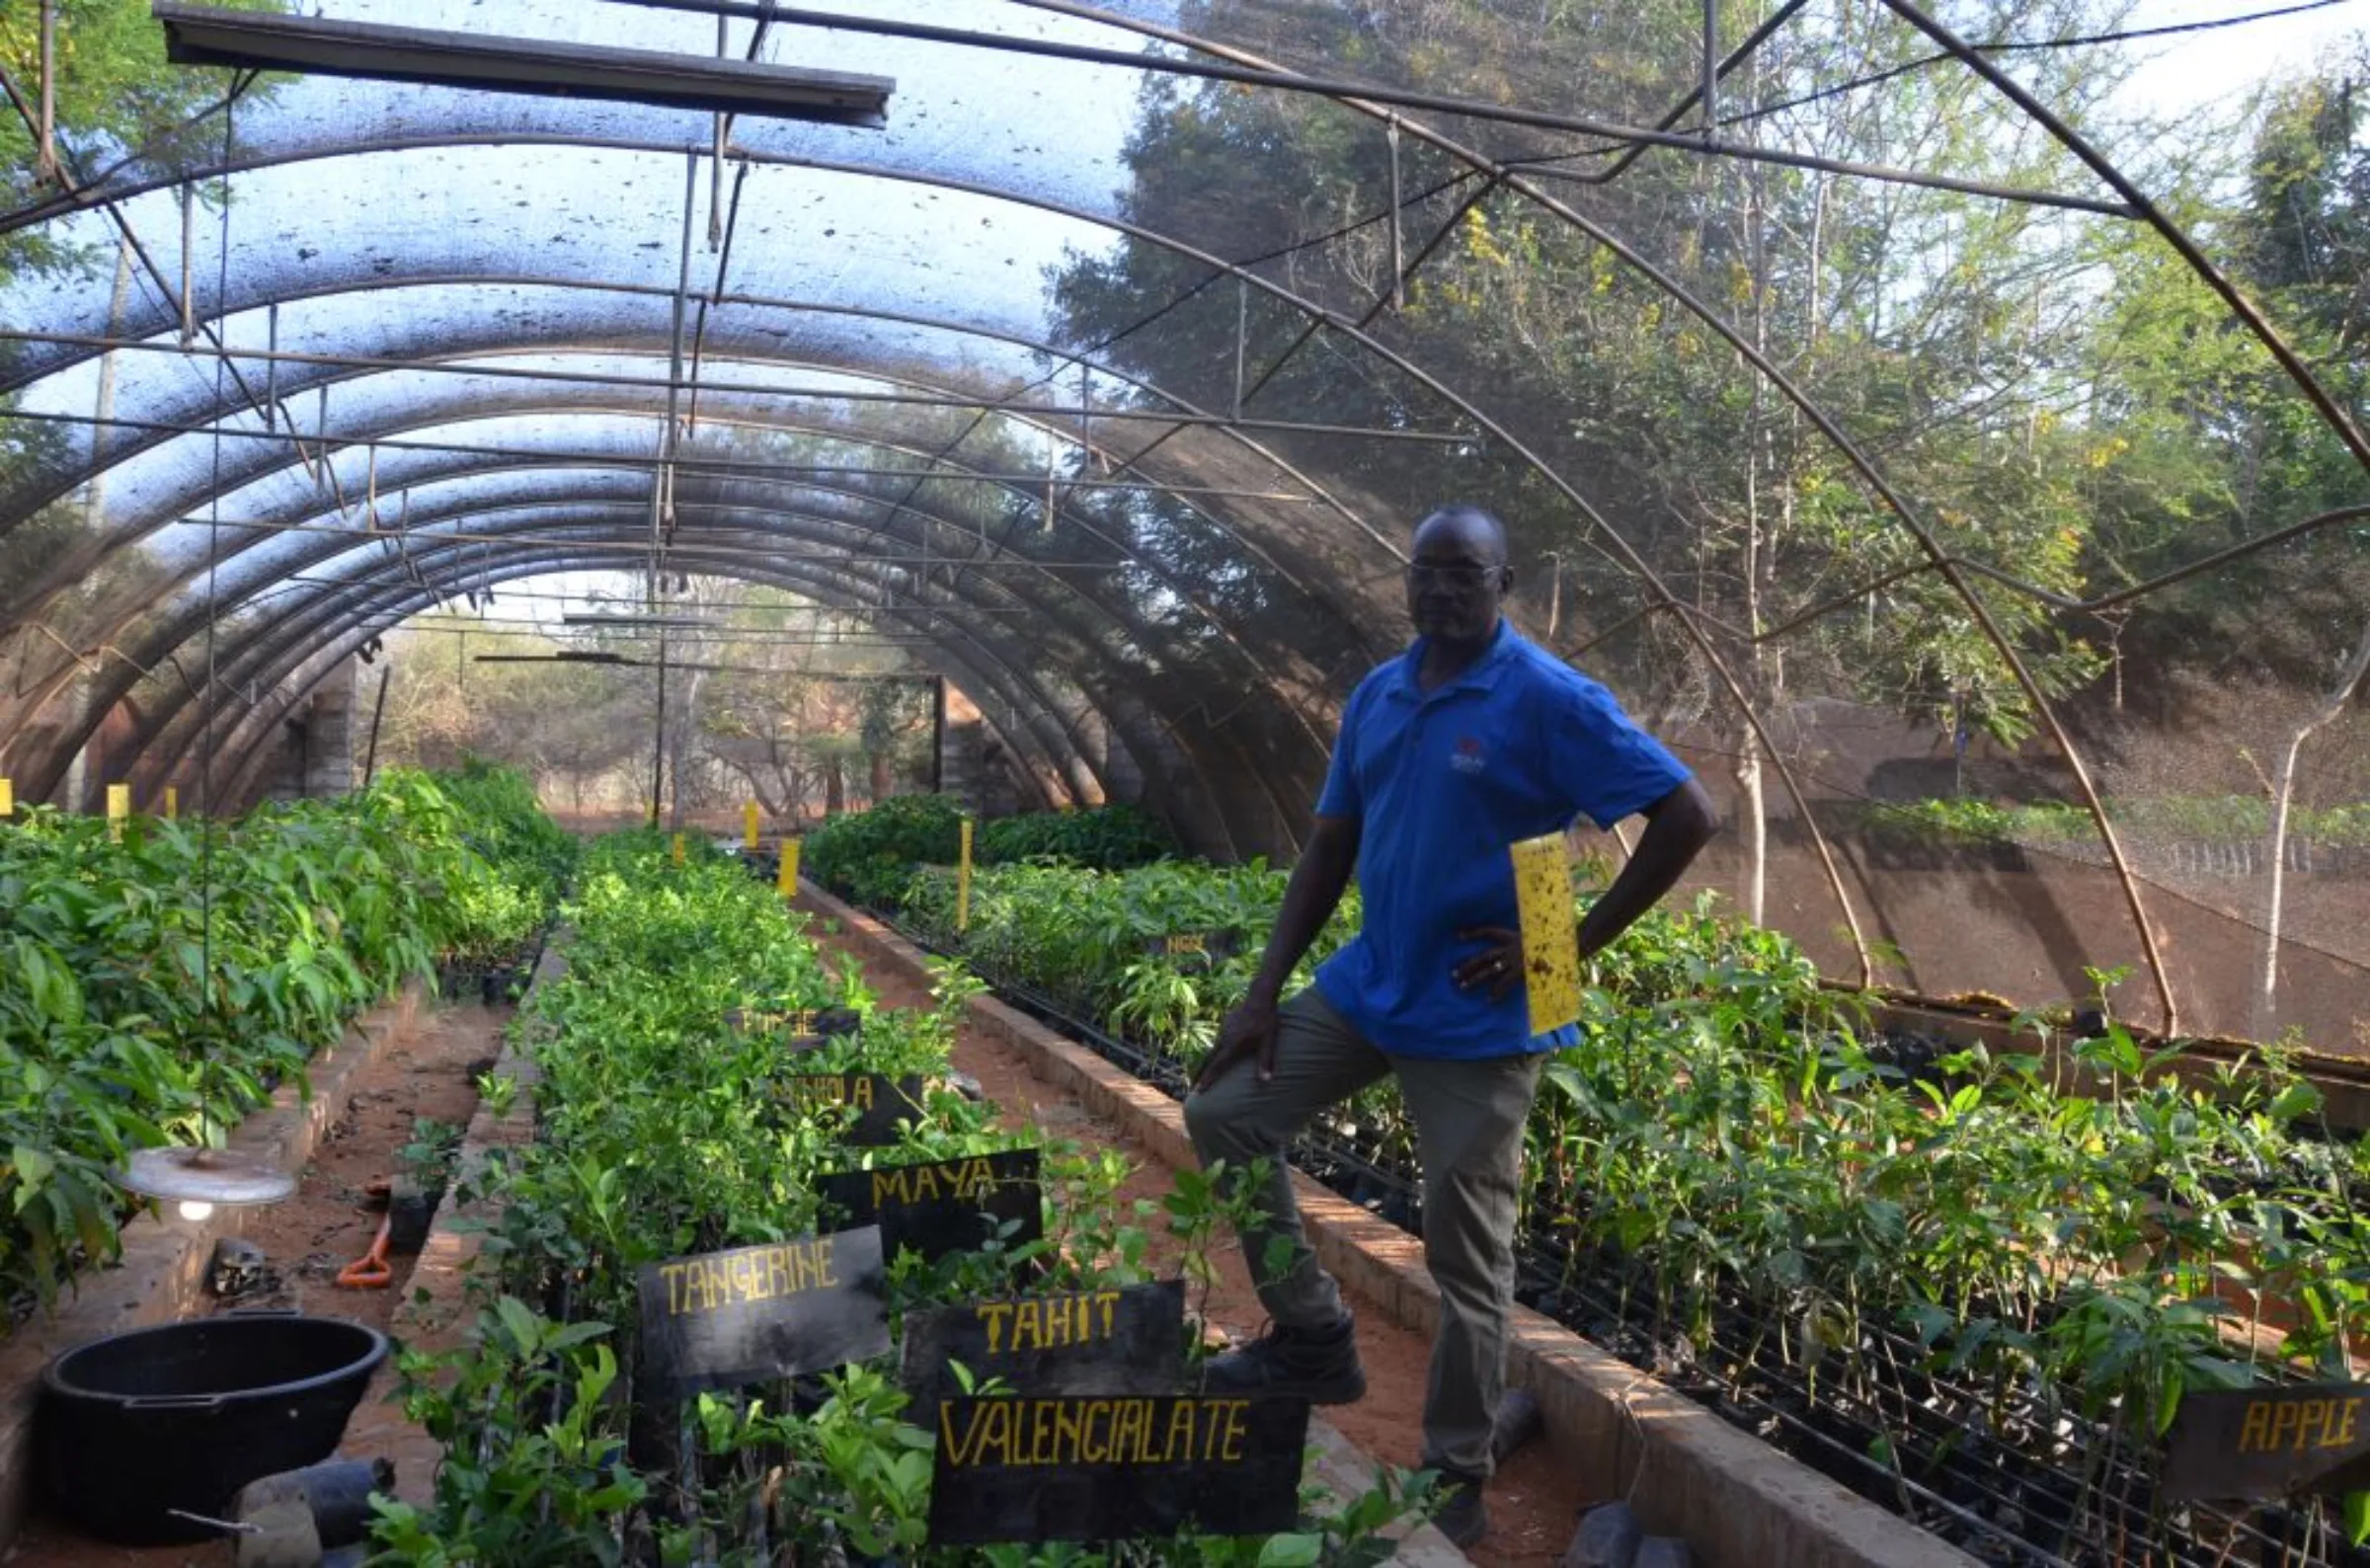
{"x":183,"y":1415}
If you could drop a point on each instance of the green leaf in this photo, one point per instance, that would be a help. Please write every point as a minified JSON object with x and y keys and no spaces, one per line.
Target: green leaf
{"x":2357,"y":1518}
{"x":1291,"y":1551}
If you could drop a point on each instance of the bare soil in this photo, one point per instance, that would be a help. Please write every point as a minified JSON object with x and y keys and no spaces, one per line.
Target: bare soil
{"x":428,"y":1074}
{"x":1534,"y":1505}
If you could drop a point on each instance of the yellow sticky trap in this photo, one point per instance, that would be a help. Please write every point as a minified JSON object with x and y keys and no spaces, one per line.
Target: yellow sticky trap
{"x":963,"y":882}
{"x":8,"y":798}
{"x":172,"y":804}
{"x":678,"y":849}
{"x":119,"y":809}
{"x":1542,"y":894}
{"x":748,"y":823}
{"x":789,"y":878}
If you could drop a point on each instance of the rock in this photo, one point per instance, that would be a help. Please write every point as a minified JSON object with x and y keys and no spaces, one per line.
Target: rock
{"x":1663,"y":1551}
{"x":1607,"y":1538}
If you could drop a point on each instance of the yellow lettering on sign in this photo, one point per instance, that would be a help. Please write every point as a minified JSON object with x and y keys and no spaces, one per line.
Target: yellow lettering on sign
{"x":2254,"y":1433}
{"x":673,"y":1274}
{"x":1094,"y":1450}
{"x":860,"y":1091}
{"x":755,"y":1274}
{"x":1180,"y":1427}
{"x":1180,"y":945}
{"x":779,"y":1280}
{"x":1109,"y":1301}
{"x":1236,"y":1411}
{"x":1543,"y":894}
{"x":995,"y":1314}
{"x":2345,"y":1438}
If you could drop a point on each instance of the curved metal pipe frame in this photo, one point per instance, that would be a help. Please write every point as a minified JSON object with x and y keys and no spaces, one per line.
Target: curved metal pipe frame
{"x":254,"y":473}
{"x":983,"y":637}
{"x":286,"y":654}
{"x":87,"y":560}
{"x":1113,"y":375}
{"x":326,"y":604}
{"x":1024,"y":743}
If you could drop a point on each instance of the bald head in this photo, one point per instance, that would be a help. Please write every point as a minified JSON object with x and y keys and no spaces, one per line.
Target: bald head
{"x":1469,"y":525}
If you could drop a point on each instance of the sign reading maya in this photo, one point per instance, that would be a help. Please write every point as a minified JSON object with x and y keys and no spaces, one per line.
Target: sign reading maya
{"x":877,"y":1104}
{"x":1126,"y":1341}
{"x":754,"y":1314}
{"x":1089,"y":1467}
{"x":2248,"y":1442}
{"x":945,"y":1205}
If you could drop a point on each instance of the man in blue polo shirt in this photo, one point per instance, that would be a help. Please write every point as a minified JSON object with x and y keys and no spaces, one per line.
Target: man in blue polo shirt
{"x":1471,"y":740}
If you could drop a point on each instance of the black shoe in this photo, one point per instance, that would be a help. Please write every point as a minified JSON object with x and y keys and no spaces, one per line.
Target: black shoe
{"x":1318,"y":1365}
{"x":1462,"y":1517}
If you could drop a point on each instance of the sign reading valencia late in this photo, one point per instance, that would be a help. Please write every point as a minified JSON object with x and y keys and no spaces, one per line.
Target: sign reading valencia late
{"x":723,"y":1320}
{"x":2257,"y":1443}
{"x":1114,"y":1467}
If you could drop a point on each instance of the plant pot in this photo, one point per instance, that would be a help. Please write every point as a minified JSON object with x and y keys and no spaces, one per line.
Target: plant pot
{"x":183,"y":1415}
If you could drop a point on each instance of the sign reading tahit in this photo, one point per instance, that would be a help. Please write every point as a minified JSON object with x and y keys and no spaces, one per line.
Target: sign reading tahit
{"x":1126,"y":1341}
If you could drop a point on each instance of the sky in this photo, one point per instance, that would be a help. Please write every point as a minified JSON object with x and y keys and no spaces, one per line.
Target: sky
{"x":2209,"y":71}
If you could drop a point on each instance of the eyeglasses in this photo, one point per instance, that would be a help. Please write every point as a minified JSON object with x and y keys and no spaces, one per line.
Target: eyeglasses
{"x":1461,"y":575}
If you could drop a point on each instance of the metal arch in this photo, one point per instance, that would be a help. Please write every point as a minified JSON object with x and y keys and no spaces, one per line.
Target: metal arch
{"x":1112,"y":709}
{"x":1093,"y":606}
{"x":223,"y":168}
{"x":1026,"y":742}
{"x":277,"y":653}
{"x":247,"y":475}
{"x":769,"y":302}
{"x":292,"y":652}
{"x":1030,"y":745}
{"x":324,"y":596}
{"x":122,"y":537}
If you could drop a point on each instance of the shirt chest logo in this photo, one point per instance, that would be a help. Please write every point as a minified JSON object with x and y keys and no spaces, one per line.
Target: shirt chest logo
{"x":1467,"y":758}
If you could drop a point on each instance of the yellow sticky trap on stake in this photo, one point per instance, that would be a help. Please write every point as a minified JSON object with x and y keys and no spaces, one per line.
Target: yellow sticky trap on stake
{"x":963,"y":882}
{"x":788,"y":882}
{"x":119,"y":809}
{"x":748,"y":823}
{"x":172,"y":804}
{"x":678,"y":849}
{"x":8,"y":797}
{"x":1542,"y":894}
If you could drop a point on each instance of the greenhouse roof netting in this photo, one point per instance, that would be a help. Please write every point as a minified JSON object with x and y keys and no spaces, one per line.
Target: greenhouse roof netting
{"x":1959,"y":464}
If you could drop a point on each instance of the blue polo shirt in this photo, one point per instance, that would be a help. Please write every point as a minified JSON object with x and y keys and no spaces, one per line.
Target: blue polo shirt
{"x":1444,"y":783}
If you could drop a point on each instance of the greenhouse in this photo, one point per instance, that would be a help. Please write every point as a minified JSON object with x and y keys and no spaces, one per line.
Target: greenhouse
{"x":678,"y":668}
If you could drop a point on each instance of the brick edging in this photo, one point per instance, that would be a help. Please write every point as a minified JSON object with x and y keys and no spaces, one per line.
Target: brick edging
{"x":161,"y":1278}
{"x":1687,"y":1472}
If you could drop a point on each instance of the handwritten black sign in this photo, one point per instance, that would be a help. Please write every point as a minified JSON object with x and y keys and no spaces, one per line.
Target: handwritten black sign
{"x":2246,"y":1442}
{"x":1127,"y":1341}
{"x":727,"y":1318}
{"x":878,"y":1104}
{"x":800,"y":1027}
{"x":1087,"y":1468}
{"x":945,"y":1205}
{"x":1208,"y":948}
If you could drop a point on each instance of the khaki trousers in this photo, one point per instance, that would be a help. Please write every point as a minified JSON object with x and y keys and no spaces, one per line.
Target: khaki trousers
{"x":1469,"y":1123}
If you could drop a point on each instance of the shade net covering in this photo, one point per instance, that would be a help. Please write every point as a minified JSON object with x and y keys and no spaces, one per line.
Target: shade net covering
{"x":1926,"y":488}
